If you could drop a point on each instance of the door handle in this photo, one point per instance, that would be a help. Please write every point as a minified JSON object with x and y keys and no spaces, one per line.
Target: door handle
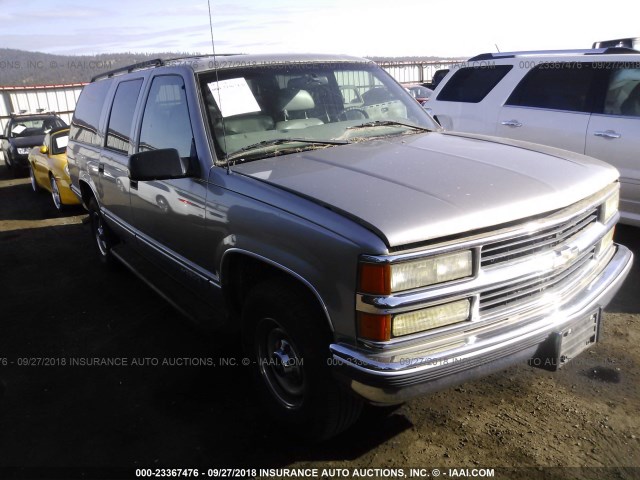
{"x":101,"y":168}
{"x":511,"y":123}
{"x":607,"y":134}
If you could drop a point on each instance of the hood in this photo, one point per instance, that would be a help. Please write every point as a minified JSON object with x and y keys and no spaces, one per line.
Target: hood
{"x":31,"y":141}
{"x":416,"y":188}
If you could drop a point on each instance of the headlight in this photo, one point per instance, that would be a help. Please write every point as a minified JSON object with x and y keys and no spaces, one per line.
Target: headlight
{"x":381,"y":328}
{"x":606,"y":241}
{"x":429,"y":271}
{"x":23,"y":151}
{"x":430,"y":318}
{"x":384,"y":279}
{"x":610,"y":206}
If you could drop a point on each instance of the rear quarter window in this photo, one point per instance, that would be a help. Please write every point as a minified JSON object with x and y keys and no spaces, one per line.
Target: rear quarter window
{"x":622,"y":95}
{"x":557,"y":86}
{"x":84,"y":126}
{"x":472,"y":84}
{"x":121,"y":118}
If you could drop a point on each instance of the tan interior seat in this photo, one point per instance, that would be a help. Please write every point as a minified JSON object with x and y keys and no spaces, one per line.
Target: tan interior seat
{"x":295,"y":105}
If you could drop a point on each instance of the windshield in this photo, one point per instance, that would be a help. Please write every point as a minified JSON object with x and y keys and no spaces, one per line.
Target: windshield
{"x":28,"y":126}
{"x":59,"y":142}
{"x":277,"y":109}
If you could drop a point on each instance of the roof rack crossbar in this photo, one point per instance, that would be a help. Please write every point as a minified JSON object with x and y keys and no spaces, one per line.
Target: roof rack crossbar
{"x":598,"y":51}
{"x":202,"y":55}
{"x":156,"y":62}
{"x":615,"y":50}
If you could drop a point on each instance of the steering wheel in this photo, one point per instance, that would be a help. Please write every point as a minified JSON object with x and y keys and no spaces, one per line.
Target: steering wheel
{"x":347,"y":114}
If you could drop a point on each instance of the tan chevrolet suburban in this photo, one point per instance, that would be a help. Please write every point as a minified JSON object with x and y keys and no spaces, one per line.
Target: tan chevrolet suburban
{"x":365,"y":254}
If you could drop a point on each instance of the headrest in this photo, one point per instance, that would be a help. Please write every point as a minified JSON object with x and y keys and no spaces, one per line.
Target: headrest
{"x":296,"y":101}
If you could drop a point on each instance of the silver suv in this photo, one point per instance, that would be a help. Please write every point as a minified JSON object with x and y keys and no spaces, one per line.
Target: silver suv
{"x":363,"y":253}
{"x":586,"y":101}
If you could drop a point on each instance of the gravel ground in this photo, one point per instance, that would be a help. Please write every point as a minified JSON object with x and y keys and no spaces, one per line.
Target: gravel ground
{"x":58,"y":305}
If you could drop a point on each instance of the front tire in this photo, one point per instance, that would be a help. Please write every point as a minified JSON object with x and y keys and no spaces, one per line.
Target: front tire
{"x":12,"y":168}
{"x":34,"y":184}
{"x":7,"y":161}
{"x":287,"y":338}
{"x":105,"y":240}
{"x":163,"y":204}
{"x":55,"y":194}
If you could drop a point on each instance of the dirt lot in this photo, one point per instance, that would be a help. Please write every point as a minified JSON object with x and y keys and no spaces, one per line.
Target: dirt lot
{"x":57,"y":304}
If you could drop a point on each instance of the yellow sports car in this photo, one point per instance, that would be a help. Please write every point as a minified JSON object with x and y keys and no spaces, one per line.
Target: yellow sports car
{"x":48,"y":168}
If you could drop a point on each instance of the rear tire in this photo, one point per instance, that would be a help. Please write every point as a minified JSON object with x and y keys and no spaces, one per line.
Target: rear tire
{"x":105,"y":240}
{"x":287,"y":339}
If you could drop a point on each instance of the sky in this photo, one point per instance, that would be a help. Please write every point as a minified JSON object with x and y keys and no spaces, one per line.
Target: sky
{"x":445,"y":28}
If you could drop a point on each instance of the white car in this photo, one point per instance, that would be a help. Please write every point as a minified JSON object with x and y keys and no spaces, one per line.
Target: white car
{"x":586,"y":101}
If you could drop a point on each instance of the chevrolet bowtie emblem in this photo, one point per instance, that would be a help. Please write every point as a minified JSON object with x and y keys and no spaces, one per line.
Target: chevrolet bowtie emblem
{"x":565,"y":256}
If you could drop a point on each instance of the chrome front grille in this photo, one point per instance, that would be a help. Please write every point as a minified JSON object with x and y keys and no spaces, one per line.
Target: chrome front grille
{"x":532,"y":290}
{"x":519,"y":247}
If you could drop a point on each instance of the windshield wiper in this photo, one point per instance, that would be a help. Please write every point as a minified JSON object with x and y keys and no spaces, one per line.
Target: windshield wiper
{"x":389,"y":123}
{"x":281,"y":141}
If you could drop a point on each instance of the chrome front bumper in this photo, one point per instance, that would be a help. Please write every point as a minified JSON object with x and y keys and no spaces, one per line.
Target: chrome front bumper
{"x":395,"y":375}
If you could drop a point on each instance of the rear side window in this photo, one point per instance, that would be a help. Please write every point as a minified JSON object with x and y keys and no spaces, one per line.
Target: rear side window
{"x":166,"y":123}
{"x":84,"y":126}
{"x":556,"y":86}
{"x":623,"y":92}
{"x":472,"y":84}
{"x":121,"y":118}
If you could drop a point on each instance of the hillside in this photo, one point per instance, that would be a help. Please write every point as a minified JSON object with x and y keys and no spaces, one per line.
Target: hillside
{"x":20,"y":67}
{"x":23,"y":68}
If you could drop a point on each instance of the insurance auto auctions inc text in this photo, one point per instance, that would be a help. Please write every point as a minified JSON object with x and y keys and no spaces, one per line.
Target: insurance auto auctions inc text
{"x":385,"y":473}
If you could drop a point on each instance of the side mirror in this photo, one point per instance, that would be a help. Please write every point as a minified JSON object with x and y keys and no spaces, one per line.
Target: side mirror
{"x":44,"y":149}
{"x":162,"y":164}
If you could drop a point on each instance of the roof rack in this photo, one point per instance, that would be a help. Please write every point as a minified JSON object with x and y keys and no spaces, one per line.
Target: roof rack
{"x":618,"y":42}
{"x":189,"y":57}
{"x":591,"y":51}
{"x":156,"y":62}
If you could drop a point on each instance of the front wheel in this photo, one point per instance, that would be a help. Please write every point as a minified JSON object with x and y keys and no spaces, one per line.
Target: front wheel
{"x":287,"y":338}
{"x":55,"y":194}
{"x":163,"y":204}
{"x":10,"y":164}
{"x":7,"y":161}
{"x":104,"y":238}
{"x":34,"y":184}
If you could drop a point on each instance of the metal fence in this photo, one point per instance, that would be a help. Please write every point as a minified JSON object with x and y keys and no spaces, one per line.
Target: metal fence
{"x":415,"y":71}
{"x":61,"y":99}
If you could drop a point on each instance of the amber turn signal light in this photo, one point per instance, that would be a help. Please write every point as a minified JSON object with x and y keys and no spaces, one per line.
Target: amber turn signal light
{"x":374,"y":327}
{"x":375,"y":278}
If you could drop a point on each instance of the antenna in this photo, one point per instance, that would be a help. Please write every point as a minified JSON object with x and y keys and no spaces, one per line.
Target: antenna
{"x":213,"y":45}
{"x":494,"y":44}
{"x":215,"y":66}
